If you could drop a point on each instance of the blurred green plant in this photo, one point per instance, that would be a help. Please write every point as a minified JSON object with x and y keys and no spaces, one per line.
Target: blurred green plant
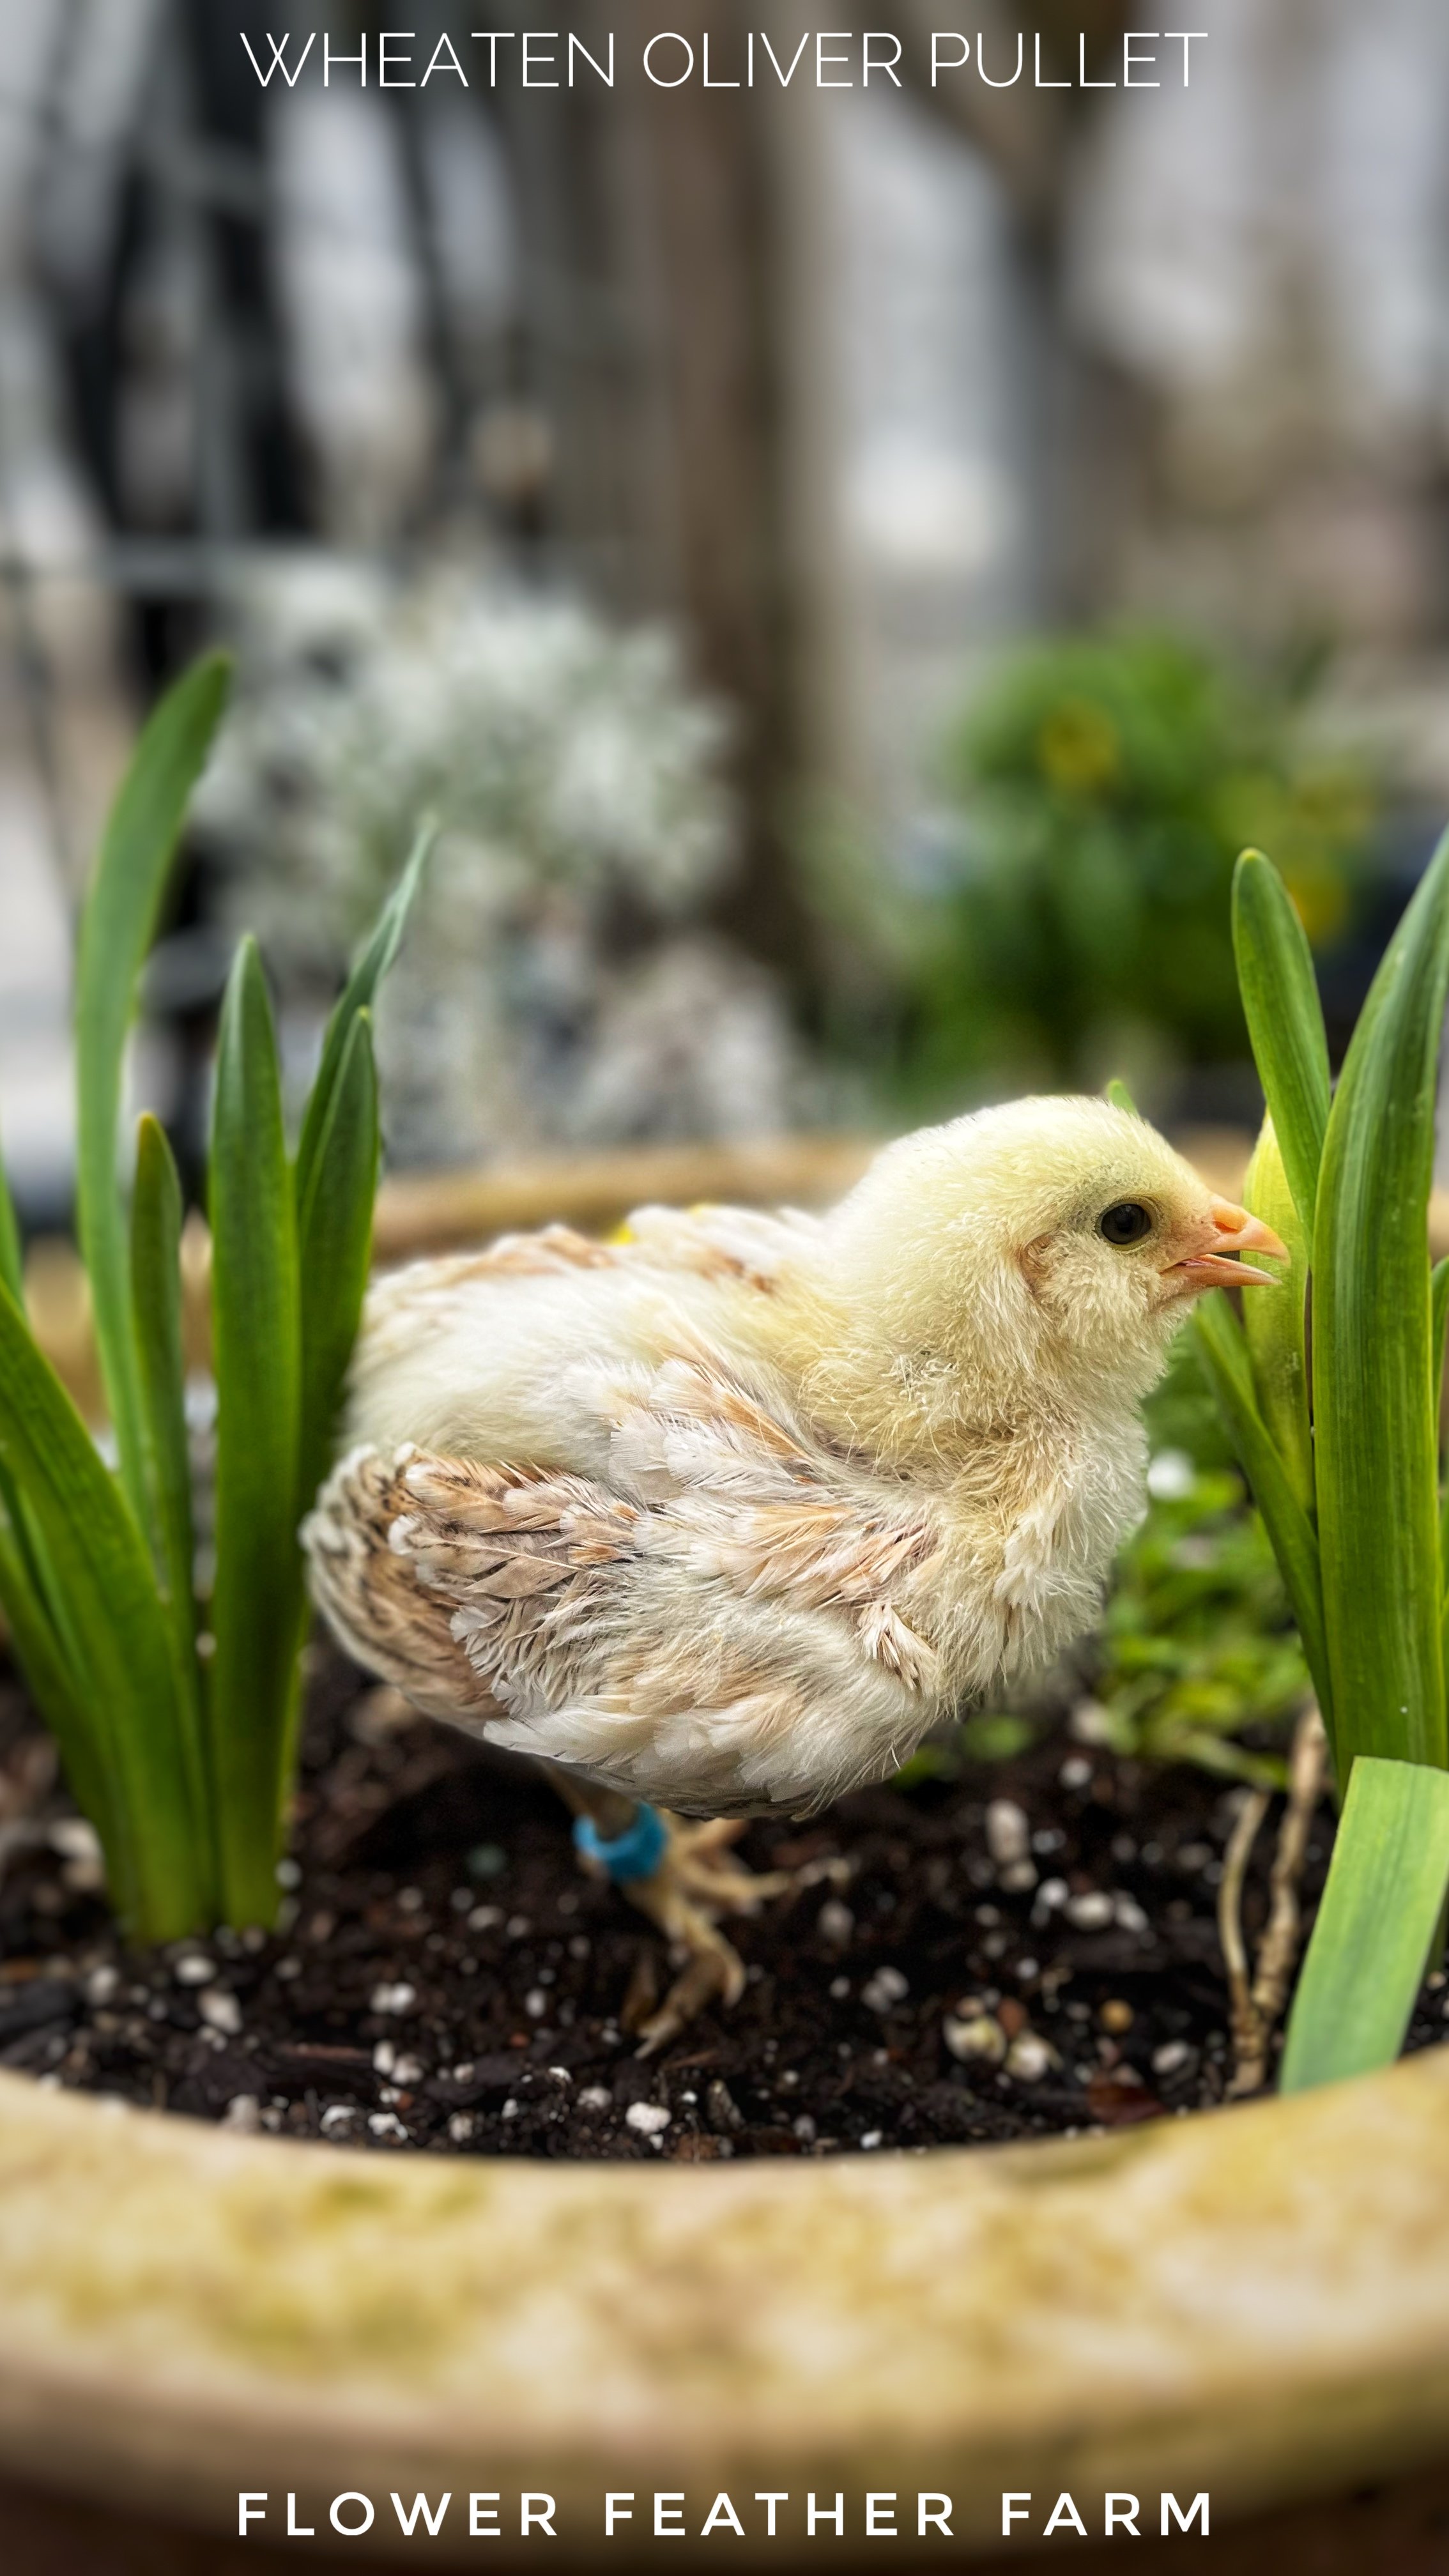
{"x":1197,"y":1643}
{"x":987,"y":1735}
{"x":1338,"y":1432}
{"x":176,"y":1713}
{"x":1105,"y":787}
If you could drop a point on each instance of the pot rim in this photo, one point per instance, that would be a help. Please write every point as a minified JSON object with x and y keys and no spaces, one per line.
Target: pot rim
{"x":1232,"y":2301}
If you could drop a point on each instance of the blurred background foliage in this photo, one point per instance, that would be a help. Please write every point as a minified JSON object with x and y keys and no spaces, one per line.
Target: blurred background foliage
{"x":1103,"y":788}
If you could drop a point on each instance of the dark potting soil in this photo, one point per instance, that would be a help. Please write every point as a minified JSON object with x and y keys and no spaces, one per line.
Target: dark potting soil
{"x":446,"y":1977}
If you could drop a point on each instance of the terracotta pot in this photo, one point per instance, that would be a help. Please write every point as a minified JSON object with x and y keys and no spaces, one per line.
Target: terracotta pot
{"x":1254,"y":2303}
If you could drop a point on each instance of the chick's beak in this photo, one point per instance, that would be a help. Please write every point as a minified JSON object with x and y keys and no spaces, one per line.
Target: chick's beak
{"x":1234,"y":1232}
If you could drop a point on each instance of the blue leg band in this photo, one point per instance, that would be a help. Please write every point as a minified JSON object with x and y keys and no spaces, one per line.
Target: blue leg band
{"x":636,"y":1853}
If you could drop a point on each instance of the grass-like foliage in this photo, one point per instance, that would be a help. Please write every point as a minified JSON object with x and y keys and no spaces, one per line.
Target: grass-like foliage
{"x":176,"y":1713}
{"x":1196,"y":1642}
{"x":1330,"y":1390}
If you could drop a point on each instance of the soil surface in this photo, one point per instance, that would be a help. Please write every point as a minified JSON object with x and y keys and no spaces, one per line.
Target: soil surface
{"x":1026,"y":1948}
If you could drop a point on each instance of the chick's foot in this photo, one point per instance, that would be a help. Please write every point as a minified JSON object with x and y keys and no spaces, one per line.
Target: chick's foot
{"x":691,"y":1884}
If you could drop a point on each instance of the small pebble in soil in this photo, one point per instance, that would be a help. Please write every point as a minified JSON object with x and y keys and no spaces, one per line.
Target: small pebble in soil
{"x":884,"y":1990}
{"x":1173,"y":2056}
{"x":399,"y":1998}
{"x":980,"y":2037}
{"x":79,"y":1846}
{"x":721,"y":2108}
{"x":1008,"y":1839}
{"x":1008,"y":1831}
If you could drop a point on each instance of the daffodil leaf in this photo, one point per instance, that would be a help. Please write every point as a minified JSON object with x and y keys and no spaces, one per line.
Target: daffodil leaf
{"x":1376,"y":1438}
{"x":257,"y":1604}
{"x":1285,"y":1021}
{"x":1376,"y":1924}
{"x":118,"y":924}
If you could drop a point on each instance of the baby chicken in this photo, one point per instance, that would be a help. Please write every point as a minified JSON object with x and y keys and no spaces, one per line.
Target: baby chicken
{"x":725,"y":1515}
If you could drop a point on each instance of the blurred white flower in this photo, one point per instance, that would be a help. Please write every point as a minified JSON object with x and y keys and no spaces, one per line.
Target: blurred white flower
{"x":552,"y":988}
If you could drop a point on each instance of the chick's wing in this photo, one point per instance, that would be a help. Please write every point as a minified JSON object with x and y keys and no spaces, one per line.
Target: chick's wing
{"x":716,"y":1629}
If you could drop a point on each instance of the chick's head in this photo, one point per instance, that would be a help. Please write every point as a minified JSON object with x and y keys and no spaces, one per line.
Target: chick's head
{"x":1050,"y":1243}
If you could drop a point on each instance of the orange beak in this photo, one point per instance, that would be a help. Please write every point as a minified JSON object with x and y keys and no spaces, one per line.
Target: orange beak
{"x":1237,"y":1232}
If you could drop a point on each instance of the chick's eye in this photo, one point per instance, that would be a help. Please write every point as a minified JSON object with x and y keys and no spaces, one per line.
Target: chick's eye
{"x":1128,"y":1222}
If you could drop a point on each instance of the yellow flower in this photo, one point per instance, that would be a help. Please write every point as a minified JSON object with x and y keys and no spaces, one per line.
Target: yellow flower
{"x":1079,"y":747}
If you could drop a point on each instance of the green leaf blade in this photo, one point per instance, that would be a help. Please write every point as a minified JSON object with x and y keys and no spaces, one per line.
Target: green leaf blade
{"x":117,"y":928}
{"x":1274,"y":1326}
{"x":50,"y":1678}
{"x":1223,"y":1349}
{"x":115,"y":1639}
{"x":373,"y":964}
{"x":156,"y":1215}
{"x":1375,"y":1926}
{"x":1376,"y":1436}
{"x":1285,"y":1021}
{"x":11,"y":1258}
{"x":335,"y":1232}
{"x":257,"y":1604}
{"x":1438,"y":1326}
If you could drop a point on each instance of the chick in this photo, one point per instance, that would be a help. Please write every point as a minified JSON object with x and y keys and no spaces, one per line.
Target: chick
{"x":723,"y":1516}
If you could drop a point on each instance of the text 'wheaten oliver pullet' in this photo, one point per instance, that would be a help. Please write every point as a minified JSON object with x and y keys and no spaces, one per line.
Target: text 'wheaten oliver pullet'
{"x":723,"y":1515}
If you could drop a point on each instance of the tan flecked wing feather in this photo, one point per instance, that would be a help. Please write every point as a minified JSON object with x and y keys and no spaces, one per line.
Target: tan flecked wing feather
{"x":454,"y":1579}
{"x":370,"y":1598}
{"x":672,"y":1638}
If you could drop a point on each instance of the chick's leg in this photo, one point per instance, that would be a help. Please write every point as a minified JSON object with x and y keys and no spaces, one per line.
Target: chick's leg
{"x":678,"y":1875}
